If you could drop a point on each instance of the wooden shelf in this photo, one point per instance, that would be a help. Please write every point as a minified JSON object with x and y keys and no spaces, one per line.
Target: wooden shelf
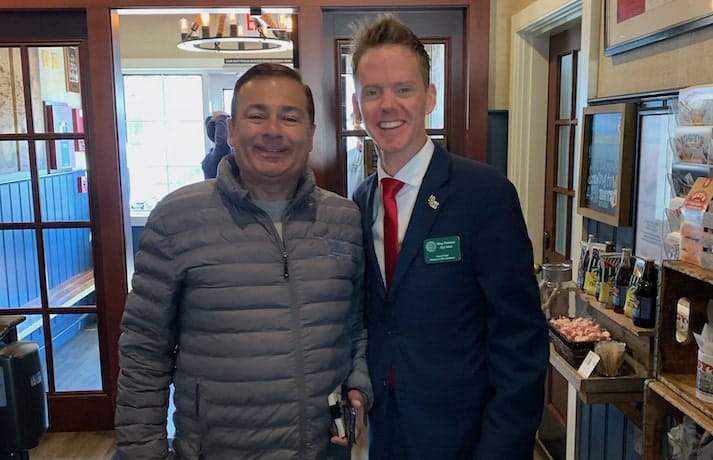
{"x":621,"y":321}
{"x":694,"y":271}
{"x":671,"y":397}
{"x":682,"y":389}
{"x":673,"y":390}
{"x":597,"y":389}
{"x":639,"y":341}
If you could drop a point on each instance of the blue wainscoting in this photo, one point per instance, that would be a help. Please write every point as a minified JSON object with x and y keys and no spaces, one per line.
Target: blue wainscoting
{"x":68,"y":251}
{"x":604,"y":433}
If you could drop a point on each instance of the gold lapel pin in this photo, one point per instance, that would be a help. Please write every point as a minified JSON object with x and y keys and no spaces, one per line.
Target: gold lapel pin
{"x":433,"y":202}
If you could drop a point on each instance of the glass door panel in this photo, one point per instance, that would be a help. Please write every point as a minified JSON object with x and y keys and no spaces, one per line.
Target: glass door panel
{"x":12,"y":105}
{"x":78,"y":351}
{"x":46,"y":252}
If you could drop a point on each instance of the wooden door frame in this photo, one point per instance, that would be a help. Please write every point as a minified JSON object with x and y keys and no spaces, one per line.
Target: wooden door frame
{"x":561,"y":44}
{"x":71,"y":411}
{"x":436,"y":23}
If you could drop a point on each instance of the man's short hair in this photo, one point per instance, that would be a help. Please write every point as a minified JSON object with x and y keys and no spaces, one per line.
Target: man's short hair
{"x":387,"y":29}
{"x":269,"y":69}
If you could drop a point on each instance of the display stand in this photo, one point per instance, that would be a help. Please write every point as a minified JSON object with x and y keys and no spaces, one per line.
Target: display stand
{"x":622,"y":391}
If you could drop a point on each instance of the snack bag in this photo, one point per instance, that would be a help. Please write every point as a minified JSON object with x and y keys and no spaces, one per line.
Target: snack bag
{"x":694,"y":206}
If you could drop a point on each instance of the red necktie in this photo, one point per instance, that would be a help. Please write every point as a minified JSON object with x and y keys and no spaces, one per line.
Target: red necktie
{"x":389,"y":188}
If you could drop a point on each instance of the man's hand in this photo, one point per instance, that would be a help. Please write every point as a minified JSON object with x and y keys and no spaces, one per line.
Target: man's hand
{"x":358,"y":400}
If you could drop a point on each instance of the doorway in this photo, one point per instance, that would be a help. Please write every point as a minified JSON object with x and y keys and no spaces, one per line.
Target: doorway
{"x":442,"y":31}
{"x":49,"y":219}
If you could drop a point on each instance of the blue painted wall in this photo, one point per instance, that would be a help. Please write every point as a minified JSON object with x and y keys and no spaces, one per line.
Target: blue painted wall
{"x":68,"y":251}
{"x":604,"y":433}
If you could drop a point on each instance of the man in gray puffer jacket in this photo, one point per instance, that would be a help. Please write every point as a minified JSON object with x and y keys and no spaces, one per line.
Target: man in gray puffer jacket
{"x":247,"y":296}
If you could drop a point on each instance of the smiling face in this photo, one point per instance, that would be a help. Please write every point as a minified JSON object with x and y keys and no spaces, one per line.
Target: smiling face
{"x":392,"y":100}
{"x":272,"y":136}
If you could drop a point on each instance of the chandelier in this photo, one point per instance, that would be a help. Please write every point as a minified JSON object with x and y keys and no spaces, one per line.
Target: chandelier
{"x":256,"y":32}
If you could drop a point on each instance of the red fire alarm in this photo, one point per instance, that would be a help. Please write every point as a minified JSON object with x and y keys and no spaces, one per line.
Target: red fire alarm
{"x":82,"y":184}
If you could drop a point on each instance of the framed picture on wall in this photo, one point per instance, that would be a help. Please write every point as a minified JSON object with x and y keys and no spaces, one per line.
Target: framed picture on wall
{"x":629,"y":24}
{"x":606,"y":168}
{"x":71,"y":68}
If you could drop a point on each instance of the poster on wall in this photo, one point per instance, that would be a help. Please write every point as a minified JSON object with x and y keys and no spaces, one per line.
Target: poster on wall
{"x":59,"y":120}
{"x":71,"y":68}
{"x":607,"y":160}
{"x":629,"y":24}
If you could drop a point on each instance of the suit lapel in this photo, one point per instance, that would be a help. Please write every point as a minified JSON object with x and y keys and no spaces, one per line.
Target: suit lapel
{"x":367,"y":217}
{"x":432,"y":196}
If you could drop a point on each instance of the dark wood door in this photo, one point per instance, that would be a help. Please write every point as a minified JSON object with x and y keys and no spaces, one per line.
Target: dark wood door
{"x":442,"y":31}
{"x":51,"y":257}
{"x":559,"y":196}
{"x":561,"y":125}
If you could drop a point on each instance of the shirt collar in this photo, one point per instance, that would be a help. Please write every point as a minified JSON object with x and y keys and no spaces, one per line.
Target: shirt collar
{"x":412,"y":173}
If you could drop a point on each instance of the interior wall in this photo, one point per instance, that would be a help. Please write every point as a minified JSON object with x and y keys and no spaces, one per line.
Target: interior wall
{"x":677,"y":62}
{"x":499,"y":66}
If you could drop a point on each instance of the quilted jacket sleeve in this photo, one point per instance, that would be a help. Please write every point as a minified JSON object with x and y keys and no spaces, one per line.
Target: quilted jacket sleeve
{"x":359,"y":376}
{"x":146,"y":349}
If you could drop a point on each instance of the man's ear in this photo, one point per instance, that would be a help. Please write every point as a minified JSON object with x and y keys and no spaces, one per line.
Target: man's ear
{"x":430,"y":98}
{"x":230,"y":131}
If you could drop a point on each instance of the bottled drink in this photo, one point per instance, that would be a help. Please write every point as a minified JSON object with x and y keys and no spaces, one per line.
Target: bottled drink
{"x":646,"y":292}
{"x":592,"y":275}
{"x":584,"y":261}
{"x":603,"y":272}
{"x":621,"y":281}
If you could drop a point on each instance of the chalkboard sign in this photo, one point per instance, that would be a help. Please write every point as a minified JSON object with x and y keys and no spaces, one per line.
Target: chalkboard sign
{"x":606,"y":174}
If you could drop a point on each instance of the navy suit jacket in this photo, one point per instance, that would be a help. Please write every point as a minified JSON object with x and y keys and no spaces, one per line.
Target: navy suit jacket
{"x":467,"y":340}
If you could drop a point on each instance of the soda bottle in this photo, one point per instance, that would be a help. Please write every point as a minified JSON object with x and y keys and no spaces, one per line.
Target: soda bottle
{"x":621,"y":281}
{"x":646,"y":292}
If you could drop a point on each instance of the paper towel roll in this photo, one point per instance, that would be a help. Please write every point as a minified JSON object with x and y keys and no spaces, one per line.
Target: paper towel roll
{"x":693,"y":144}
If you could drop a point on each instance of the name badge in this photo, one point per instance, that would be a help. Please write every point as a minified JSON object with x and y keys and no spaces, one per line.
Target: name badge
{"x":440,"y":250}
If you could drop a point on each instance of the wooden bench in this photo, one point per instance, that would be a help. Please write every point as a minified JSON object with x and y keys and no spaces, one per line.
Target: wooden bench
{"x":68,"y":292}
{"x":65,"y":294}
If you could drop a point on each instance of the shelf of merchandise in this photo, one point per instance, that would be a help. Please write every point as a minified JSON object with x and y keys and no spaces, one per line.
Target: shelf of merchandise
{"x":638,"y":362}
{"x":672,"y":391}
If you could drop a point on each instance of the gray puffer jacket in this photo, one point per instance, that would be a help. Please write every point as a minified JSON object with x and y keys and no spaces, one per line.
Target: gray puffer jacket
{"x":253,"y":331}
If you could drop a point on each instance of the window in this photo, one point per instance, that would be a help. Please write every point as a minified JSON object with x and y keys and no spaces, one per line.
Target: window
{"x":165,"y":136}
{"x":227,"y":100}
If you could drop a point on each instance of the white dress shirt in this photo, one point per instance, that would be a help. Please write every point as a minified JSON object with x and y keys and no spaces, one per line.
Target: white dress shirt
{"x":411,"y":175}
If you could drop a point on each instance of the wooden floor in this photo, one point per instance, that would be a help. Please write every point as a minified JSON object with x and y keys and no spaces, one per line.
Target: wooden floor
{"x":100,"y":445}
{"x":90,"y":445}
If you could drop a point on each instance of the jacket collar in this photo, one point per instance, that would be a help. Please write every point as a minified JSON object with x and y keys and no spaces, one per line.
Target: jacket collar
{"x":301,"y":206}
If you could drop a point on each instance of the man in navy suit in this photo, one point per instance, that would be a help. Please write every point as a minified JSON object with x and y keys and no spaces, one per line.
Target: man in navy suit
{"x":458,"y":345}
